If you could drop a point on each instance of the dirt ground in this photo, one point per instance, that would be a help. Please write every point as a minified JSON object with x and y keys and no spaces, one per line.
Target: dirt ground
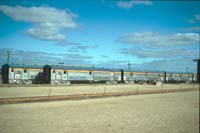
{"x":27,"y":91}
{"x":154,"y":113}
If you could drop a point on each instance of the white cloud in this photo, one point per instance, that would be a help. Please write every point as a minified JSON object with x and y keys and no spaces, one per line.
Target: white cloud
{"x":169,"y":65}
{"x":65,"y":43}
{"x":75,"y":47}
{"x":195,"y":19}
{"x":131,"y":3}
{"x":192,"y":29}
{"x":36,"y":57}
{"x":167,"y":53}
{"x":157,"y":46}
{"x":153,"y":39}
{"x":47,"y":21}
{"x":165,"y":64}
{"x":192,"y":21}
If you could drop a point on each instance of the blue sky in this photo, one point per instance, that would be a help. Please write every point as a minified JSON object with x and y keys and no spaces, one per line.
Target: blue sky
{"x":153,"y":35}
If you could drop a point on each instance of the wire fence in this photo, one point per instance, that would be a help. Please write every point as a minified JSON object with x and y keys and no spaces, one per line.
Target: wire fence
{"x":9,"y":92}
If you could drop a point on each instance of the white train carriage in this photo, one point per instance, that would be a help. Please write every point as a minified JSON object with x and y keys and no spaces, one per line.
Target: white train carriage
{"x":27,"y":74}
{"x":143,"y":77}
{"x":59,"y":76}
{"x":129,"y":77}
{"x":186,"y":77}
{"x":180,"y":77}
{"x":118,"y":76}
{"x":104,"y":76}
{"x":153,"y":77}
{"x":69,"y":74}
{"x":1,"y":81}
{"x":23,"y":74}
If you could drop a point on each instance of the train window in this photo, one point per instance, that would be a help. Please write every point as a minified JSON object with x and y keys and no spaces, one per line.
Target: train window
{"x":90,"y":73}
{"x":65,"y":72}
{"x":12,"y":70}
{"x":53,"y":71}
{"x":25,"y":70}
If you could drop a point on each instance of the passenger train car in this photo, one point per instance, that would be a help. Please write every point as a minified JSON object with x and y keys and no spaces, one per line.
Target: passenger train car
{"x":21,"y":74}
{"x":56,"y":74}
{"x":70,"y":74}
{"x":0,"y":76}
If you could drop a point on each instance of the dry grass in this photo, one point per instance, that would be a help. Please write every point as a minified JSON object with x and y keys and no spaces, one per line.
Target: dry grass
{"x":6,"y":92}
{"x":172,"y":112}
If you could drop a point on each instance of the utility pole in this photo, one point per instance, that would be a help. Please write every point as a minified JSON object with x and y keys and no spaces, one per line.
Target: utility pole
{"x":129,"y":65}
{"x":62,"y":63}
{"x":8,"y":56}
{"x":187,"y":72}
{"x":187,"y":68}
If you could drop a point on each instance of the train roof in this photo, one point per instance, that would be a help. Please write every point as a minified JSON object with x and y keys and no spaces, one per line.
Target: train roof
{"x":126,"y":70}
{"x":149,"y":71}
{"x":62,"y":67}
{"x":25,"y":66}
{"x":83,"y":68}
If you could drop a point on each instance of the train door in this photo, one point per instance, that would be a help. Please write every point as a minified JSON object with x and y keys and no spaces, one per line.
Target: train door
{"x":12,"y":74}
{"x":25,"y":74}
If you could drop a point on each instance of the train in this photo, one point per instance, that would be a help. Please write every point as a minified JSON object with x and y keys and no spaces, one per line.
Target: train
{"x":60,"y":74}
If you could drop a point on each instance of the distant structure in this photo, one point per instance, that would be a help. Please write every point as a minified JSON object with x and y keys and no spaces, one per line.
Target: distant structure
{"x":198,"y":69}
{"x":8,"y":56}
{"x":198,"y":60}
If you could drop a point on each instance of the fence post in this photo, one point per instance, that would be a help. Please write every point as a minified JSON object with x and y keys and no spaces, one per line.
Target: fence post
{"x":162,"y":90}
{"x":104,"y":90}
{"x":49,"y":92}
{"x":192,"y":85}
{"x":137,"y":89}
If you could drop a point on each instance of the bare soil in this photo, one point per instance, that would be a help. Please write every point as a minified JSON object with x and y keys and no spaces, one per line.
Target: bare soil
{"x":155,"y":113}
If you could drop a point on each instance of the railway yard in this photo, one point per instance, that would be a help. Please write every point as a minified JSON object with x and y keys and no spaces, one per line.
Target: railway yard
{"x":168,"y":112}
{"x":100,"y":66}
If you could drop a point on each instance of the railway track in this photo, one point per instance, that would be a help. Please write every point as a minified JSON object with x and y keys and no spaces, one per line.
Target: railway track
{"x":85,"y":96}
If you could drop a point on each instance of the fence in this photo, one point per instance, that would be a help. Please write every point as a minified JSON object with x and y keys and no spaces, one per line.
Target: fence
{"x":27,"y":91}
